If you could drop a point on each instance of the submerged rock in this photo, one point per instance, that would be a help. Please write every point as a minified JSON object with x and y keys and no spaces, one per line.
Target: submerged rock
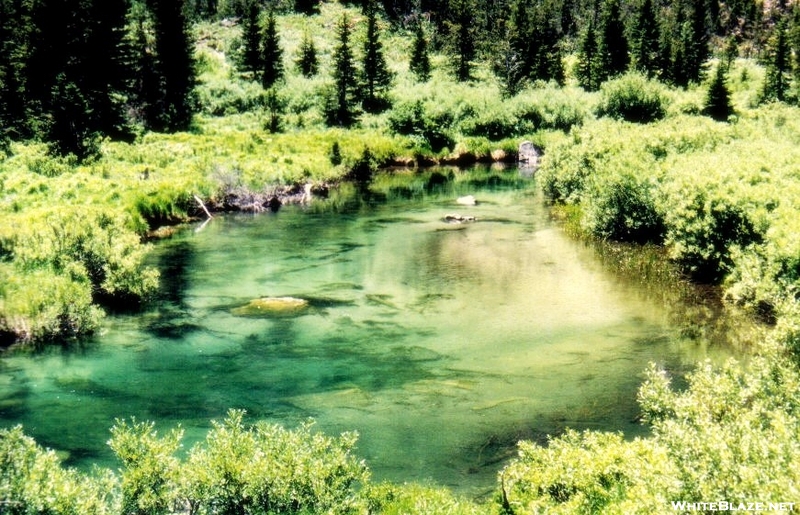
{"x":272,"y":306}
{"x":455,"y":218}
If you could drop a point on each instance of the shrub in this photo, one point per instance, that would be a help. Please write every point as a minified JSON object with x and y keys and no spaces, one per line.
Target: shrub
{"x":549,"y":109}
{"x":426,"y":129}
{"x":633,"y":98}
{"x":33,"y":481}
{"x":41,"y":306}
{"x":268,"y":469}
{"x":733,"y":433}
{"x":705,"y":223}
{"x":149,"y":468}
{"x":588,"y":473}
{"x":622,"y":207}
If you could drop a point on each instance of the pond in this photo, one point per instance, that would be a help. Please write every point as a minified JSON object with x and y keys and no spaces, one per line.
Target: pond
{"x":441,"y":343}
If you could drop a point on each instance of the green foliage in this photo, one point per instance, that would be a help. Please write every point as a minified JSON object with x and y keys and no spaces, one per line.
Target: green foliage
{"x":776,"y":83}
{"x":267,"y":469}
{"x":718,"y":100}
{"x":40,"y":306}
{"x":733,"y":433}
{"x":622,"y":207}
{"x":705,"y":224}
{"x":419,"y":62}
{"x":634,"y":98}
{"x":376,"y":79}
{"x":32,"y":481}
{"x":588,"y":473}
{"x":307,"y":61}
{"x":250,"y":58}
{"x":339,"y":101}
{"x":150,"y":471}
{"x":428,"y":130}
{"x":271,"y":54}
{"x":461,"y":35}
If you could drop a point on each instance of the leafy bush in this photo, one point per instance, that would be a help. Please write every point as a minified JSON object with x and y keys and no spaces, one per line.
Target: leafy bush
{"x":633,"y":98}
{"x":705,"y":224}
{"x":33,"y":481}
{"x":268,"y":469}
{"x":41,"y":306}
{"x":550,"y":109}
{"x":428,"y":131}
{"x":588,"y":473}
{"x":87,"y":246}
{"x":623,"y":207}
{"x":230,"y":97}
{"x":150,"y":472}
{"x":733,"y":433}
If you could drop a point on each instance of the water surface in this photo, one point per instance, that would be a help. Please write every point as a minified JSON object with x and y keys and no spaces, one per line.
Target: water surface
{"x":441,"y":344}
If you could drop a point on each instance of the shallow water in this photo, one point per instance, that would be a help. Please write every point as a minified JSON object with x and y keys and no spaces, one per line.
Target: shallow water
{"x":441,"y":344}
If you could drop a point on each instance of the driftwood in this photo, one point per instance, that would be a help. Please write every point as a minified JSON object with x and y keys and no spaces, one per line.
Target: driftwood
{"x":208,"y":213}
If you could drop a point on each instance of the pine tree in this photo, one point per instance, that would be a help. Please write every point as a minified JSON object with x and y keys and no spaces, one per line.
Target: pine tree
{"x":251,"y":58}
{"x":340,"y":109}
{"x":271,"y":54}
{"x":420,"y":62}
{"x":547,"y":55}
{"x":307,"y":61}
{"x":376,"y":79}
{"x":612,"y":45}
{"x":145,"y":83}
{"x":718,"y":98}
{"x":15,"y":36}
{"x":175,"y":66}
{"x":776,"y":82}
{"x":587,"y":70}
{"x":461,"y":33}
{"x":646,"y":40}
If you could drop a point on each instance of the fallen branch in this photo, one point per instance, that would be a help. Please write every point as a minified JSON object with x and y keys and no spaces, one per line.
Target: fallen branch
{"x":208,"y":213}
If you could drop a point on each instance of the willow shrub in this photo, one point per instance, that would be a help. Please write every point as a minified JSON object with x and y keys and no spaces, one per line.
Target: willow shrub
{"x":265,"y":468}
{"x":32,"y":481}
{"x":633,"y":98}
{"x":732,"y":435}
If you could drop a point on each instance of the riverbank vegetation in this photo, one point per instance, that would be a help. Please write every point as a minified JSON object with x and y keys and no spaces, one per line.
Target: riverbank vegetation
{"x":671,"y":124}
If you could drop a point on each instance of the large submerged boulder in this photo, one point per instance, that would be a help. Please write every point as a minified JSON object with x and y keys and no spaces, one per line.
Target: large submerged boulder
{"x":272,"y":307}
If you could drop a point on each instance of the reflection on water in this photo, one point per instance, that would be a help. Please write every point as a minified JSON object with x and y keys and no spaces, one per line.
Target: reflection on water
{"x":441,"y":344}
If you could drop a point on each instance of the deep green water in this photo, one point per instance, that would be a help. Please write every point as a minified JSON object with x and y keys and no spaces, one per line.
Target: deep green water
{"x":442,"y":345}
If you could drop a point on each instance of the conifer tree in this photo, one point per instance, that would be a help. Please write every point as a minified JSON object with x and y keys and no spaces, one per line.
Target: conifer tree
{"x":271,"y":54}
{"x":340,"y":109}
{"x":547,"y":60}
{"x":175,"y":65}
{"x":587,"y":69}
{"x":776,"y":82}
{"x":420,"y":62}
{"x":646,"y":40}
{"x":376,"y":79}
{"x":15,"y":33}
{"x":251,"y":58}
{"x":144,"y":88}
{"x":307,"y":61}
{"x":718,"y":98}
{"x":461,"y":34}
{"x":612,"y":45}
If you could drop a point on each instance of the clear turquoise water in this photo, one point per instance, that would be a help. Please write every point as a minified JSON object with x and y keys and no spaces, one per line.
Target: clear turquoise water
{"x":442,"y":345}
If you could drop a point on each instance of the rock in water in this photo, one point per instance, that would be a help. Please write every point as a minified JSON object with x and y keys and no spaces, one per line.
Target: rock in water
{"x":272,"y":307}
{"x":468,"y":200}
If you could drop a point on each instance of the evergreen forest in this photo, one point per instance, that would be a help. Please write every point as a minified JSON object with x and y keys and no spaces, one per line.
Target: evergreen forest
{"x":670,"y":125}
